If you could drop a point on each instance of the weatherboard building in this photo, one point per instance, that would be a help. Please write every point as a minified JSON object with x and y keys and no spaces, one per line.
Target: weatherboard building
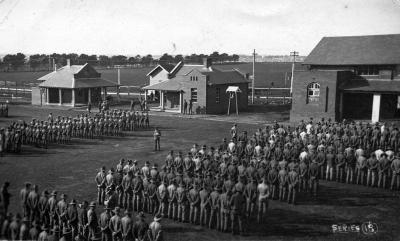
{"x":354,"y":77}
{"x":71,"y":85}
{"x":204,"y":85}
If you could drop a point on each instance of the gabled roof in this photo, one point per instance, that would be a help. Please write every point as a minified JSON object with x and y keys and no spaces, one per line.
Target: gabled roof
{"x":64,"y":77}
{"x":186,"y":69}
{"x":216,"y":76}
{"x":356,"y":50}
{"x":166,"y":67}
{"x":225,"y":77}
{"x":168,"y":85}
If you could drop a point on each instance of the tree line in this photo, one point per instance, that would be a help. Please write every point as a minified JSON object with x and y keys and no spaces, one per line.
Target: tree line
{"x":36,"y":62}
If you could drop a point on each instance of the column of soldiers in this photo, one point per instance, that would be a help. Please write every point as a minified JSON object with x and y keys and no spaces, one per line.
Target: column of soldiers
{"x":61,"y":129}
{"x":230,"y":186}
{"x":47,"y":217}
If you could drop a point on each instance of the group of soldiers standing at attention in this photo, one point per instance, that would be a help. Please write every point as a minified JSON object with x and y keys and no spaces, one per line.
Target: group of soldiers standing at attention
{"x":227,"y":187}
{"x":45,"y":217}
{"x":62,"y":129}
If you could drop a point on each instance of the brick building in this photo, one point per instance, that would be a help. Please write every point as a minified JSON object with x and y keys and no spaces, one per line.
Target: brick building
{"x":204,"y":84}
{"x":71,"y":85}
{"x":354,"y":77}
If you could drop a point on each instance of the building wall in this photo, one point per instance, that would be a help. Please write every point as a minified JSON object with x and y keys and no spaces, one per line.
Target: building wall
{"x":328,"y":104}
{"x":159,"y":76}
{"x":199,"y":106}
{"x":36,"y":96}
{"x":221,"y":107}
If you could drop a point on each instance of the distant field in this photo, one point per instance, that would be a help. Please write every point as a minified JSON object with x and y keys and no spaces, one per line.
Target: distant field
{"x":265,"y":73}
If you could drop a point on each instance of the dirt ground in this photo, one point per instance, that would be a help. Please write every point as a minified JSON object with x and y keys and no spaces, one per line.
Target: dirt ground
{"x":71,"y":169}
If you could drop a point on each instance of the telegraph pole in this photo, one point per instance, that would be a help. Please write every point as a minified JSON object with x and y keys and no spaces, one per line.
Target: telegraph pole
{"x":293,"y":54}
{"x":119,"y":82}
{"x":252,"y":80}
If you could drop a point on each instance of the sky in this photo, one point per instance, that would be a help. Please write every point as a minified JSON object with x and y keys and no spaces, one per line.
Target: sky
{"x":130,"y":27}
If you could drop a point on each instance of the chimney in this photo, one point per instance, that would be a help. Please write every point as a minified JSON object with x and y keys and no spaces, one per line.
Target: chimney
{"x":68,"y":62}
{"x":54,"y":65}
{"x":207,"y":62}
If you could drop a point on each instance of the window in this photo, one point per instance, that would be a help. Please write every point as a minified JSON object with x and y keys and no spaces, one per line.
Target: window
{"x":193,"y":78}
{"x":313,"y":92}
{"x":368,"y":70}
{"x":217,"y":95}
{"x":193,"y":94}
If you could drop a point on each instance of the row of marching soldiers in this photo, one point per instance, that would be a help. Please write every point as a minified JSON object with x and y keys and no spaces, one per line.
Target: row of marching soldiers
{"x":61,"y":130}
{"x":46,"y":217}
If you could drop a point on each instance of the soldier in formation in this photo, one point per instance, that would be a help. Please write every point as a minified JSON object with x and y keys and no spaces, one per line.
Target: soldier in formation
{"x":47,"y":217}
{"x":227,"y":187}
{"x":61,"y":129}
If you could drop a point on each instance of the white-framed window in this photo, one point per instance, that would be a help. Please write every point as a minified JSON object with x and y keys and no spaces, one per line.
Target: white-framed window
{"x":313,"y":91}
{"x":193,"y":78}
{"x":217,"y":95}
{"x":193,"y":95}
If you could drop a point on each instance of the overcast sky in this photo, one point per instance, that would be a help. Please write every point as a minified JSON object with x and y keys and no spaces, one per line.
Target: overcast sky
{"x":132,"y":27}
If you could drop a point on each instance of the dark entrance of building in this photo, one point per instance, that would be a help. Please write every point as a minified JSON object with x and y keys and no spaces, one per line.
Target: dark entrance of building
{"x":54,"y":96}
{"x":389,"y":107}
{"x":172,"y":100}
{"x":357,"y":106}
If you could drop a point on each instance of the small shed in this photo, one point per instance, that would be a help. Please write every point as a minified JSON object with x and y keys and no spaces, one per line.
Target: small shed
{"x":72,"y":85}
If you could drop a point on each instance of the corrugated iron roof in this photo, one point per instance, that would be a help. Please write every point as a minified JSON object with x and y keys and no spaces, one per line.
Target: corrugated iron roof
{"x":64,"y":78}
{"x":225,"y":77}
{"x":168,"y":85}
{"x":356,"y":50}
{"x":166,"y":67}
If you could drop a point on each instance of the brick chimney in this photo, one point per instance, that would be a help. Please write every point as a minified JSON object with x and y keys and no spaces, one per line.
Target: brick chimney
{"x":207,"y":62}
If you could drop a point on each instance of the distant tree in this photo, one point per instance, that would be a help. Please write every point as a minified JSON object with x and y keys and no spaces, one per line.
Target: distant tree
{"x":147,"y":60}
{"x":224,"y":57}
{"x":178,"y":58}
{"x":138,"y":59}
{"x":35,"y":61}
{"x":235,"y":57}
{"x":104,"y":60}
{"x":215,"y":56}
{"x":83,"y":58}
{"x":73,"y":58}
{"x":14,"y":60}
{"x":131,"y":60}
{"x":118,"y":60}
{"x":166,"y":59}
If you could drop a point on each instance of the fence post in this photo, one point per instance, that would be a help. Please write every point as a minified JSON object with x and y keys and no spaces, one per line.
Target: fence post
{"x":16,"y":89}
{"x":284,"y":94}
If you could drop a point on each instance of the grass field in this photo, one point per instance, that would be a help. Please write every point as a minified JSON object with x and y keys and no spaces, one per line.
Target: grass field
{"x":71,"y":169}
{"x":266,"y":73}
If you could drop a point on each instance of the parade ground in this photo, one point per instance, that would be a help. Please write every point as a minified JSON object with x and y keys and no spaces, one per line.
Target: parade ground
{"x":71,"y":168}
